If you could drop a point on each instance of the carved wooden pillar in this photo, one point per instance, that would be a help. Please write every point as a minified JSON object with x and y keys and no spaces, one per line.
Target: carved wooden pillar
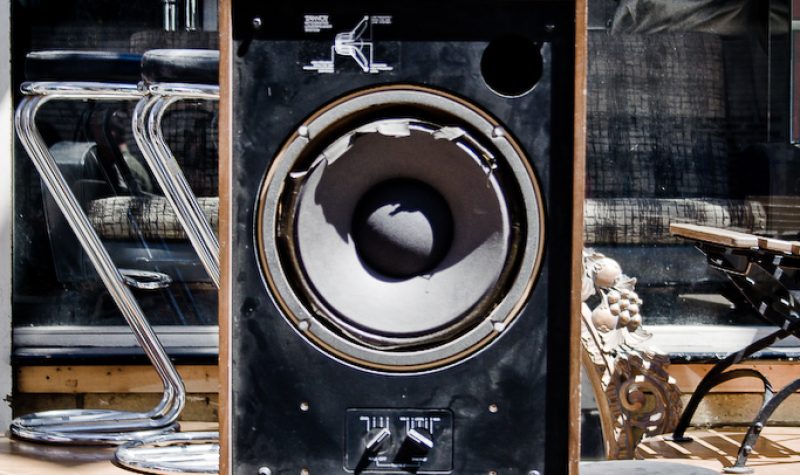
{"x":635,"y":394}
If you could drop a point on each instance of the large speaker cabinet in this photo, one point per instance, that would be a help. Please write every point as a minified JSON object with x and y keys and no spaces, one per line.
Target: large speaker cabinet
{"x":400,"y":237}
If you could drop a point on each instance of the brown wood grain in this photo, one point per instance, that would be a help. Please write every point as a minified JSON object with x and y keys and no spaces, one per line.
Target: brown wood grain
{"x":777,"y":451}
{"x":578,"y":196}
{"x":109,"y":379}
{"x":26,"y":458}
{"x":774,"y":245}
{"x":780,"y":373}
{"x":724,"y":237}
{"x":225,"y":231}
{"x":198,"y":406}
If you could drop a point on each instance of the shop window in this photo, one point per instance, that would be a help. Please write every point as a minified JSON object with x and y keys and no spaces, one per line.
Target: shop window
{"x":58,"y":299}
{"x":687,"y":122}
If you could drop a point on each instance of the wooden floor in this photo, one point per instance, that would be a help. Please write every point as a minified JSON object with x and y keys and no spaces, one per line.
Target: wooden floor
{"x":23,"y":458}
{"x":777,"y":453}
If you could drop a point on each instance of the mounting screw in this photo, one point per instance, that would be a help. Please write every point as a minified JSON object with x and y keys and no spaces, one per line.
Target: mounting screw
{"x":534,"y":472}
{"x":264,"y":471}
{"x":257,"y":23}
{"x":492,"y":472}
{"x":304,"y":471}
{"x":304,"y":406}
{"x":493,"y":408}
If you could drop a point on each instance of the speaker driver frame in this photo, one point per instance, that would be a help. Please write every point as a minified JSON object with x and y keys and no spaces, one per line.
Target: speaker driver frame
{"x":353,"y":346}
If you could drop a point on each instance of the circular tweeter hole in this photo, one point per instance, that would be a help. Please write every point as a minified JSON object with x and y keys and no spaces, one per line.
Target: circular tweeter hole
{"x":511,"y":65}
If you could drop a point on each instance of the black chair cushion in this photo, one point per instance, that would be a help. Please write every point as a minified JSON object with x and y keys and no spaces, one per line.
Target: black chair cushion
{"x":90,"y":66}
{"x":195,"y":66}
{"x":145,"y":40}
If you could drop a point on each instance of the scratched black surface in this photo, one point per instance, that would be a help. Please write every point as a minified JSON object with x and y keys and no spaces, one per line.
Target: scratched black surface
{"x":438,"y":44}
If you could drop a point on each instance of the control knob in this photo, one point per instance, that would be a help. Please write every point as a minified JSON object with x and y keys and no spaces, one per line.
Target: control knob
{"x":377,"y":440}
{"x":419,"y":440}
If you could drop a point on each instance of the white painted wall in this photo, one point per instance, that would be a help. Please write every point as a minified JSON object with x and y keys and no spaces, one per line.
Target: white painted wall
{"x":6,"y":149}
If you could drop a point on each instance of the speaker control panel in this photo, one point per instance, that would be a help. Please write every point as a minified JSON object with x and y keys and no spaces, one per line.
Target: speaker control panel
{"x":399,"y":440}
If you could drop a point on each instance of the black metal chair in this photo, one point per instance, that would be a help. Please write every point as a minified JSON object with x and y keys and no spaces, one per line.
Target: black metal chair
{"x":767,"y":273}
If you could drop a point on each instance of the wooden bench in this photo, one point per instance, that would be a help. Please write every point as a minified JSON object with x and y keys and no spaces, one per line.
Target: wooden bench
{"x":767,"y":273}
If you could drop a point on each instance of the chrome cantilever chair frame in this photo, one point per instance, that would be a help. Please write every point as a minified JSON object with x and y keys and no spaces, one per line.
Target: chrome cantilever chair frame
{"x":147,"y":117}
{"x":94,"y":427}
{"x":187,"y":453}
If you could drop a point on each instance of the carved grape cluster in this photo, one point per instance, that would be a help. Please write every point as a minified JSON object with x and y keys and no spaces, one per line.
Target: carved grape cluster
{"x":620,"y":304}
{"x":624,"y":304}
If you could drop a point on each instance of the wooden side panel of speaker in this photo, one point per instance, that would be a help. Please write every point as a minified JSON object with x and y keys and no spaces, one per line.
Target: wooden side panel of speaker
{"x":225,"y":232}
{"x":578,"y":195}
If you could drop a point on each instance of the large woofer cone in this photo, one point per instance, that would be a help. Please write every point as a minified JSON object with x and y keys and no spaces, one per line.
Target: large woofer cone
{"x":400,"y":229}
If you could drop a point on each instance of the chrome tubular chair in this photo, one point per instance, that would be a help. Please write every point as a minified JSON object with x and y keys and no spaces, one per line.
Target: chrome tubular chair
{"x":95,"y":76}
{"x":197,"y":72}
{"x":186,"y":452}
{"x":161,"y":70}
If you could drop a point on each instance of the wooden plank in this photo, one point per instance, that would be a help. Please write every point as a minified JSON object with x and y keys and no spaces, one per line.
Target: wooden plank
{"x":723,"y":237}
{"x":225,"y":230}
{"x":780,"y":373}
{"x":740,"y":408}
{"x":578,"y":197}
{"x":774,"y":245}
{"x":110,"y":379}
{"x":198,"y":407}
{"x":796,"y":248}
{"x":777,"y":452}
{"x":26,"y":458}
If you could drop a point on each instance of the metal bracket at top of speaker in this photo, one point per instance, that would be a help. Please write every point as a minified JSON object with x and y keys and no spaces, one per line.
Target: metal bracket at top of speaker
{"x":327,"y":288}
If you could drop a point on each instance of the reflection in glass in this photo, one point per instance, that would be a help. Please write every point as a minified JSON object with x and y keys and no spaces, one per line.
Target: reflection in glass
{"x":54,"y":283}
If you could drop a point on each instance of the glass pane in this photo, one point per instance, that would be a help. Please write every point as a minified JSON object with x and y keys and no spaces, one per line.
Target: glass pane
{"x":688,"y":122}
{"x":54,"y":282}
{"x":678,"y":132}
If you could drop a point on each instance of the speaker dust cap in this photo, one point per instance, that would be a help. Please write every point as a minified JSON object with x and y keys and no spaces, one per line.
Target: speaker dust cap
{"x":397,"y":243}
